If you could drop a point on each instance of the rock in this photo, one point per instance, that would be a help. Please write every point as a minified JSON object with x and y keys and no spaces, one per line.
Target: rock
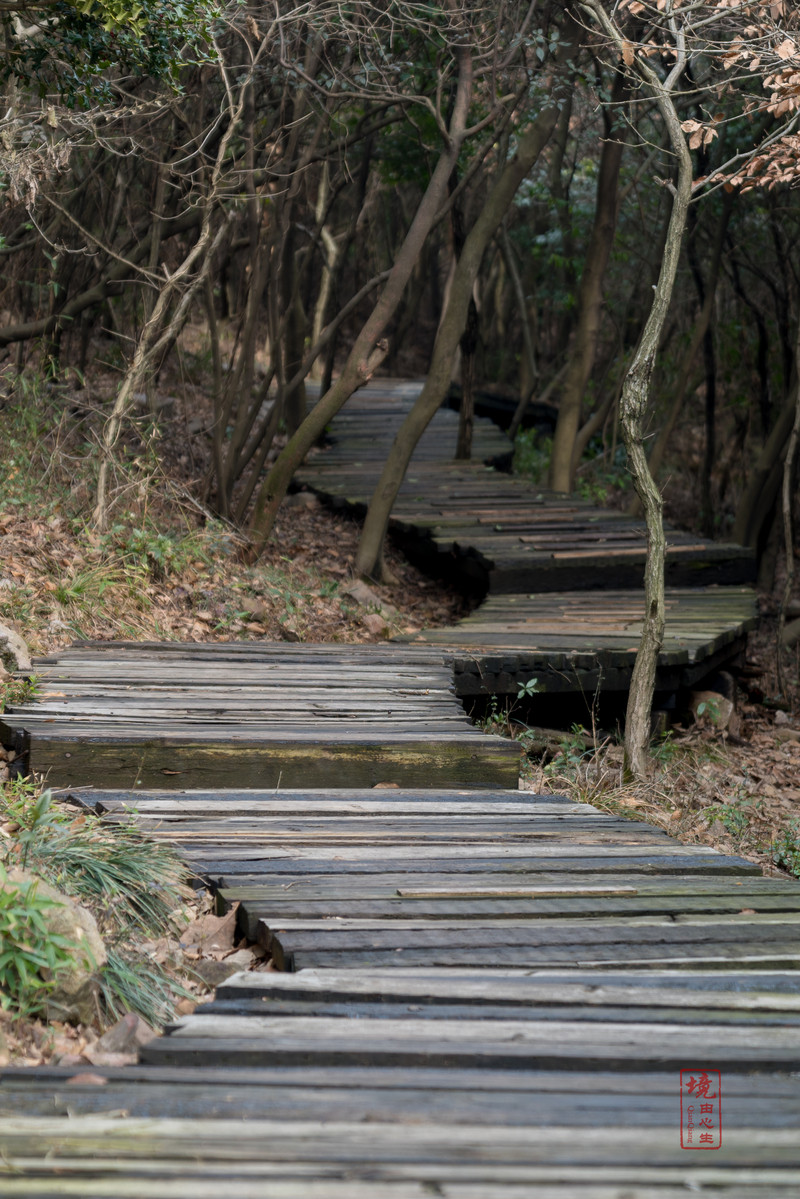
{"x":711,"y":707}
{"x":98,"y":1058}
{"x":302,"y":499}
{"x":242,"y":959}
{"x":785,"y":734}
{"x":13,"y":650}
{"x":363,"y":594}
{"x":71,"y":1059}
{"x":125,"y":1036}
{"x":214,"y":973}
{"x":161,"y":404}
{"x":375,"y":623}
{"x":74,"y":996}
{"x":781,"y":717}
{"x":254,"y":608}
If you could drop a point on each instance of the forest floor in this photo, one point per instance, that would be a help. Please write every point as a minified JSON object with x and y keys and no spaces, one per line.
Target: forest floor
{"x":166,"y":569}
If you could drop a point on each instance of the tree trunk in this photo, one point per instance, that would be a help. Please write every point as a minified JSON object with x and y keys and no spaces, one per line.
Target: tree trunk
{"x":787,"y":505}
{"x":530,"y":375}
{"x":294,"y":400}
{"x":530,"y":145}
{"x":366,"y":353}
{"x":759,"y":497}
{"x":634,"y":403}
{"x":466,"y":412}
{"x":699,"y":333}
{"x":590,"y":302}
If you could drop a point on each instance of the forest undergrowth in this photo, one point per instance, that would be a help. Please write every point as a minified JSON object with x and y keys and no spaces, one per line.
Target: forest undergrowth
{"x":739,"y":793}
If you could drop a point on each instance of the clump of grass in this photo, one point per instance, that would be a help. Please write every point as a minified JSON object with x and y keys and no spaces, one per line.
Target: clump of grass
{"x":131,"y":884}
{"x":131,"y":983}
{"x":17,"y":690}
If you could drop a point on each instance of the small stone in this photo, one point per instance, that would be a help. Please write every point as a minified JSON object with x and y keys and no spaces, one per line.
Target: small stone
{"x":255,"y":608}
{"x":711,"y":707}
{"x":72,"y":1059}
{"x":781,"y":717}
{"x":364,"y":595}
{"x":125,"y":1036}
{"x":213,"y":973}
{"x":375,"y":623}
{"x":98,"y":1058}
{"x":302,"y":499}
{"x":13,"y":650}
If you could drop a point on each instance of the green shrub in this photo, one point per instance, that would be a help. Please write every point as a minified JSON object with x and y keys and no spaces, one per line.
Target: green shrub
{"x":786,"y":848}
{"x":31,"y":955}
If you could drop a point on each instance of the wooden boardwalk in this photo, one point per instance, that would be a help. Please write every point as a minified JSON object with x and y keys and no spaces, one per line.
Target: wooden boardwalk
{"x":476,"y":992}
{"x":493,"y":529}
{"x":480,"y":994}
{"x":563,"y":577}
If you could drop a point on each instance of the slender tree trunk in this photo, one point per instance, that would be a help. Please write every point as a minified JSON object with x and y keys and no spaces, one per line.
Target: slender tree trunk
{"x":590,"y":303}
{"x":787,"y":505}
{"x":466,"y":413}
{"x":530,"y":145}
{"x":762,"y":488}
{"x":532,"y":373}
{"x":294,"y":400}
{"x":699,"y":332}
{"x":634,"y":403}
{"x":367,"y":353}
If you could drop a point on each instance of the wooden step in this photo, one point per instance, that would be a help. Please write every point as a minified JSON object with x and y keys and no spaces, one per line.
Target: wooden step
{"x":256,"y":715}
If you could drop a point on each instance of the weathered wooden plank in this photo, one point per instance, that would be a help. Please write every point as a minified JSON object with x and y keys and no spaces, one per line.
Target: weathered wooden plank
{"x":465,"y":1147}
{"x":543,"y":932}
{"x":495,"y":1043}
{"x":463,"y":1103}
{"x":352,"y":1009}
{"x":152,"y":763}
{"x":747,"y":956}
{"x":439,"y":860}
{"x":696,"y":989}
{"x":743,"y":1085}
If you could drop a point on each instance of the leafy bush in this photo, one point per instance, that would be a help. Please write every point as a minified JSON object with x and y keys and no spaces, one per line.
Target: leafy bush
{"x":786,"y":848}
{"x":31,"y":955}
{"x":532,"y":454}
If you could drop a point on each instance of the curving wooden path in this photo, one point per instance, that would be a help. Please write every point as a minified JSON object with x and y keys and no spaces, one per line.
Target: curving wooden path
{"x":563,"y":577}
{"x":476,"y":993}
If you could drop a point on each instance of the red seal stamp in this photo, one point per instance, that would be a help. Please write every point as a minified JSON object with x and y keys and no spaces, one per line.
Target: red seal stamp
{"x":701,"y":1109}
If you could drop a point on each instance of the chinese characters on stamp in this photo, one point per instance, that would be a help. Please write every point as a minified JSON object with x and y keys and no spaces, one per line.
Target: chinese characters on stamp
{"x":701,"y":1109}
